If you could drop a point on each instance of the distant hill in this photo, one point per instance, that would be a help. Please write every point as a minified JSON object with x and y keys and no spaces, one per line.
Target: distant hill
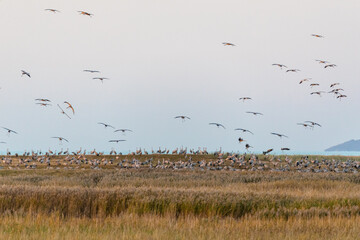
{"x":352,"y":145}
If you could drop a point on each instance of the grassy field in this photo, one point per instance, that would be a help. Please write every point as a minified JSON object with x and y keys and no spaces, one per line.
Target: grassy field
{"x":177,"y":204}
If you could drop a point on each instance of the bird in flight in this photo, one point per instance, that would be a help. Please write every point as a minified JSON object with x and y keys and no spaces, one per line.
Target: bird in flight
{"x":70,"y":106}
{"x":85,"y":13}
{"x":25,"y":73}
{"x":9,"y":131}
{"x":268,"y":151}
{"x":317,"y":93}
{"x":117,"y":141}
{"x":280,"y":65}
{"x":228,"y":44}
{"x":243,"y":130}
{"x":63,"y":112}
{"x":293,"y":70}
{"x":3,"y":142}
{"x":313,"y":123}
{"x":101,"y":79}
{"x":334,"y":84}
{"x":317,"y":35}
{"x":314,"y":85}
{"x":106,"y":125}
{"x":217,"y":124}
{"x":341,"y":96}
{"x":52,"y":10}
{"x":322,"y":61}
{"x":305,"y":80}
{"x":247,"y":146}
{"x":44,"y":104}
{"x":330,"y":65}
{"x":61,"y":139}
{"x":241,"y":140}
{"x":305,"y":125}
{"x":91,"y":71}
{"x":255,"y":113}
{"x":245,"y":98}
{"x":123,"y":130}
{"x":42,"y":100}
{"x":279,"y":135}
{"x":182,"y":117}
{"x":285,"y":149}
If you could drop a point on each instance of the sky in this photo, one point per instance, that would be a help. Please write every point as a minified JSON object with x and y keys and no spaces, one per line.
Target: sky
{"x":166,"y":58}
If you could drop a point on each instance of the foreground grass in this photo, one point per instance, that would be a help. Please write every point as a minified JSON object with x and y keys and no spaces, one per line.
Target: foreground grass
{"x":130,"y":226}
{"x":182,"y":204}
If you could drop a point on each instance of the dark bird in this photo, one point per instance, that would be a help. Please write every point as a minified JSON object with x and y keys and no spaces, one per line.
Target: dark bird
{"x":279,"y":135}
{"x":44,"y":104}
{"x":341,"y":96}
{"x":247,"y":146}
{"x":63,"y":112}
{"x":117,"y":141}
{"x":9,"y":130}
{"x":42,"y":100}
{"x":241,"y":140}
{"x":305,"y":125}
{"x":293,"y":70}
{"x":52,"y":10}
{"x":85,"y":13}
{"x":255,"y":113}
{"x":279,"y":65}
{"x":123,"y":130}
{"x":317,"y":35}
{"x":101,"y":79}
{"x":285,"y":149}
{"x":243,"y":130}
{"x":91,"y":71}
{"x":305,"y":80}
{"x":25,"y":73}
{"x":245,"y":98}
{"x":61,"y":139}
{"x":330,"y":65}
{"x":314,"y":85}
{"x":313,"y":123}
{"x":268,"y":151}
{"x":317,"y":93}
{"x":228,"y":44}
{"x":182,"y":117}
{"x":70,"y":106}
{"x":217,"y":124}
{"x":334,"y":84}
{"x":106,"y":125}
{"x":322,"y":61}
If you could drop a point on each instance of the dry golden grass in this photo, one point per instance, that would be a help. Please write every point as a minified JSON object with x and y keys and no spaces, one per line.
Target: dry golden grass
{"x":178,"y":204}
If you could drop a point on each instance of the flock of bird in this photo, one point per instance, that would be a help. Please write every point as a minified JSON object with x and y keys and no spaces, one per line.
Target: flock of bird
{"x":68,"y":110}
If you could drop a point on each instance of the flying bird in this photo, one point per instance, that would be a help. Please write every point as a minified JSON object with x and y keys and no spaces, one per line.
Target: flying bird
{"x":101,"y":79}
{"x":306,"y":125}
{"x":243,"y":130}
{"x":91,"y":71}
{"x":9,"y":130}
{"x":106,"y":125}
{"x":25,"y":73}
{"x":228,"y":44}
{"x":217,"y":124}
{"x":85,"y":13}
{"x":285,"y":149}
{"x":314,"y":85}
{"x":280,"y":65}
{"x":247,"y":146}
{"x":317,"y":93}
{"x":63,"y":112}
{"x":330,"y":65}
{"x":341,"y":96}
{"x":241,"y":140}
{"x":44,"y":104}
{"x":305,"y":80}
{"x":334,"y":84}
{"x":245,"y":98}
{"x":182,"y":117}
{"x":293,"y":70}
{"x":322,"y":61}
{"x":117,"y":141}
{"x":317,"y":35}
{"x":42,"y":100}
{"x":70,"y":106}
{"x":313,"y":123}
{"x":279,"y":135}
{"x":255,"y":113}
{"x":61,"y":139}
{"x":123,"y":130}
{"x":52,"y":10}
{"x":268,"y":151}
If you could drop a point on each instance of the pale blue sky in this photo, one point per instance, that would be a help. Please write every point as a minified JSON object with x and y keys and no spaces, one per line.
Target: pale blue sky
{"x":165,"y":58}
